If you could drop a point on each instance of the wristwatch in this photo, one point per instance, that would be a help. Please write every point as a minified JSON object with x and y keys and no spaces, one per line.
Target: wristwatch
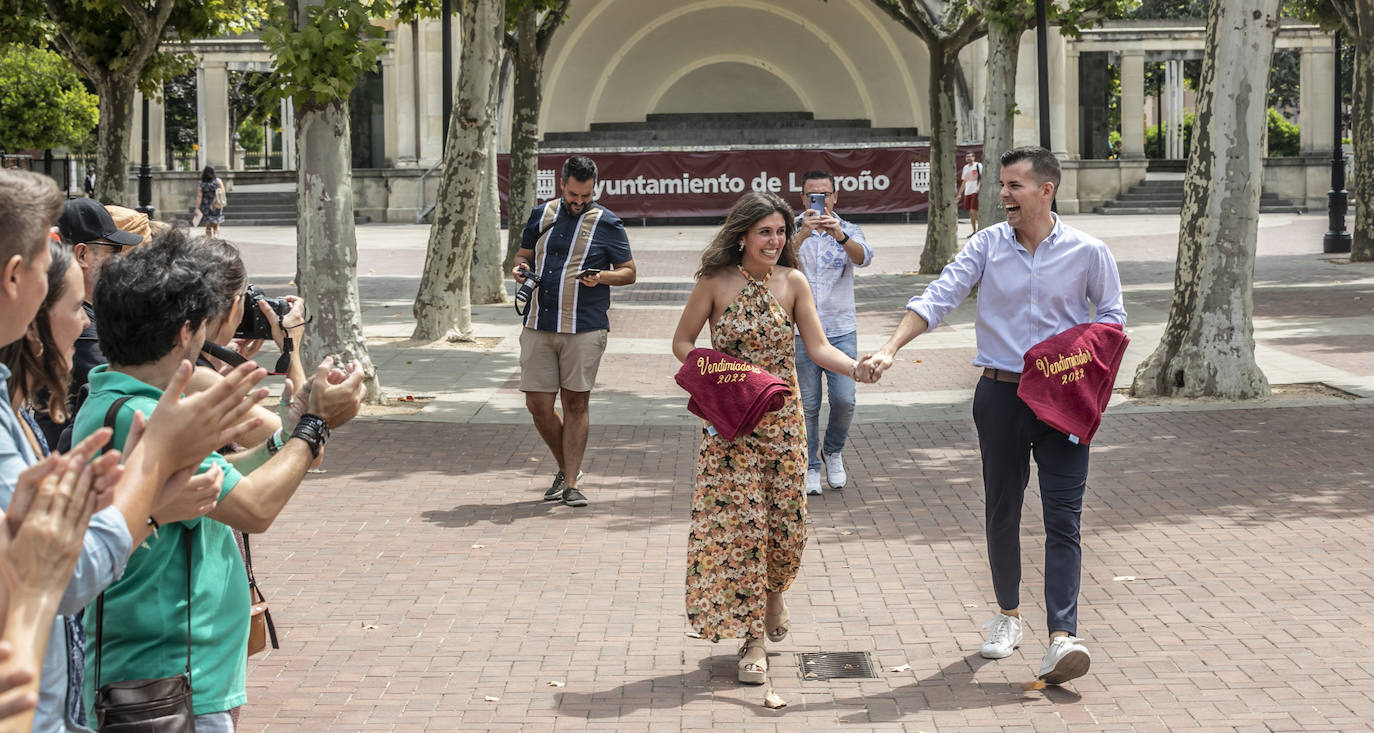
{"x":842,"y":241}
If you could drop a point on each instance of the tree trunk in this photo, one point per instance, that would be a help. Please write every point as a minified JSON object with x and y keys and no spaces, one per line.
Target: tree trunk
{"x":1208,"y":347}
{"x":524,"y":129}
{"x":442,"y":307}
{"x":488,"y":276}
{"x":942,"y":234}
{"x":1362,"y":118}
{"x":999,"y":119}
{"x":326,"y":241}
{"x":116,"y":95}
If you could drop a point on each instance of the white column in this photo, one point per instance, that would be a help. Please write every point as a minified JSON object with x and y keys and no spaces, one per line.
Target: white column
{"x":431,"y":93}
{"x":1316,"y":71}
{"x":136,"y":134}
{"x":1072,"y":122}
{"x":1062,"y":89}
{"x":288,"y":135}
{"x":157,"y":135}
{"x":212,"y":106}
{"x":1173,"y":109}
{"x":1133,"y":104}
{"x":1025,"y":126}
{"x":390,"y":81}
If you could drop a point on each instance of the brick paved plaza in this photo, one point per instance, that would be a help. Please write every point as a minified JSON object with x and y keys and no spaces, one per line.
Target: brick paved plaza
{"x":420,"y":583}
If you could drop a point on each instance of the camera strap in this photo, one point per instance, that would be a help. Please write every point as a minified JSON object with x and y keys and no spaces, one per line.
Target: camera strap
{"x":233,"y":359}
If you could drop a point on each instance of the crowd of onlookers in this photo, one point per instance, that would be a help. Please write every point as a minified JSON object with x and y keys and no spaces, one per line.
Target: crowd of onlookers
{"x":135,"y":444}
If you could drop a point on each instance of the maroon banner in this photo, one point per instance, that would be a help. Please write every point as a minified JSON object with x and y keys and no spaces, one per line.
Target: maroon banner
{"x":706,"y":184}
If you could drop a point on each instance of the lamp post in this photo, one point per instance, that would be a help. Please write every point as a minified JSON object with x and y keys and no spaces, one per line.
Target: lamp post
{"x":1337,"y":239}
{"x":145,"y":174}
{"x":1042,"y":66}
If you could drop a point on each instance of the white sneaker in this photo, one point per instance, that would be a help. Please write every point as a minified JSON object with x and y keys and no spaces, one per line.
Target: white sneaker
{"x":1066,"y":659}
{"x":834,"y":471}
{"x":813,"y":482}
{"x":1004,"y":637}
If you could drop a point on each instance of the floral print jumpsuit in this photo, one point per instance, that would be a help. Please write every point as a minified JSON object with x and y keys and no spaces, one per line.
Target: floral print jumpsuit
{"x":749,"y":510}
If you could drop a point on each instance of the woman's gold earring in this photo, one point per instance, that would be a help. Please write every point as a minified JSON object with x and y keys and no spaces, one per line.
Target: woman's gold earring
{"x":741,"y":245}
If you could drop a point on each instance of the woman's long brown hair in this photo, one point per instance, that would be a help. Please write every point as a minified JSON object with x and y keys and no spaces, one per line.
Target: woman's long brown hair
{"x":724,"y":251}
{"x":32,"y":370}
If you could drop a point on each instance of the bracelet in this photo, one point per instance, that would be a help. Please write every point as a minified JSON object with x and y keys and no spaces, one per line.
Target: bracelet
{"x":843,"y":241}
{"x":274,"y":443}
{"x":313,"y":431}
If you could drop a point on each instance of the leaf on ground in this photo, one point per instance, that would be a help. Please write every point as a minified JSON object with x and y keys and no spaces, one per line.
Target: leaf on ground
{"x":366,"y":625}
{"x":478,"y":547}
{"x":489,"y":698}
{"x":533,"y":459}
{"x":1123,"y":578}
{"x":1033,"y":685}
{"x":846,"y":531}
{"x":773,"y":700}
{"x":555,"y":683}
{"x":970,"y":605}
{"x":902,"y":668}
{"x":693,"y":635}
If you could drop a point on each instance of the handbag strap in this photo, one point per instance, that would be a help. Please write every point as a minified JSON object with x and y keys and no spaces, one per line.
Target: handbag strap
{"x":110,"y":416}
{"x":253,"y":584}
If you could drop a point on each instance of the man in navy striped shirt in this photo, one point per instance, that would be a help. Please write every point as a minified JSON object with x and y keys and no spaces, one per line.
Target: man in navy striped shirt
{"x":1038,"y":277}
{"x":577,"y":249}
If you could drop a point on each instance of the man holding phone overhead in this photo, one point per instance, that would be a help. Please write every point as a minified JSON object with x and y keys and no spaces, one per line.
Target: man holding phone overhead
{"x":572,"y":249}
{"x":828,"y":248}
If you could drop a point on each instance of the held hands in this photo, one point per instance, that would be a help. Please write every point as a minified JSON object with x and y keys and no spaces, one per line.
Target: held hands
{"x":871,"y":367}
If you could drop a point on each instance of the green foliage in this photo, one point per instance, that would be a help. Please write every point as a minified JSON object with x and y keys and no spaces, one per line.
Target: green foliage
{"x":515,"y":7}
{"x":43,"y":103}
{"x":250,"y":135}
{"x":1152,"y":9}
{"x":1283,"y":136}
{"x":1070,"y":16}
{"x":106,"y":37}
{"x":320,"y":58}
{"x":1285,"y":82}
{"x":1153,"y":148}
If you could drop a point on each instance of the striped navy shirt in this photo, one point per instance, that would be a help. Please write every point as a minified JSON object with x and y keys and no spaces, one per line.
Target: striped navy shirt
{"x":564,"y":245}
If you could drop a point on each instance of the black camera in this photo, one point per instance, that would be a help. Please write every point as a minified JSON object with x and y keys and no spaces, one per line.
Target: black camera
{"x":525,"y":291}
{"x":254,"y":324}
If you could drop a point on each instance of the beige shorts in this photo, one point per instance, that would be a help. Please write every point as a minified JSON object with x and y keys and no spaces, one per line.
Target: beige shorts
{"x":551,"y":360}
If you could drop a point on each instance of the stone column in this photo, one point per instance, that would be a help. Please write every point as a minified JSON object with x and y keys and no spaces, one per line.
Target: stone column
{"x":1025,"y":126}
{"x":406,"y":153}
{"x":390,"y":152}
{"x":136,"y":135}
{"x":212,"y":108}
{"x":288,"y":135}
{"x":1316,"y":70}
{"x":429,"y":46}
{"x":157,"y":134}
{"x":1133,"y":104}
{"x":1069,"y":83}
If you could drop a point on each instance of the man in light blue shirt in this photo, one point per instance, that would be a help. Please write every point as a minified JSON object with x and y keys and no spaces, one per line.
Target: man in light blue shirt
{"x":828,"y":248}
{"x":1037,"y":277}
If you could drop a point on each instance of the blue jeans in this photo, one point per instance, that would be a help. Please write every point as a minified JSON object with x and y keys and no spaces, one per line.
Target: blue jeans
{"x":841,"y":389}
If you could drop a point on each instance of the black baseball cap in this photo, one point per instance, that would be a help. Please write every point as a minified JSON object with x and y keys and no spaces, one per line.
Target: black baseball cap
{"x":84,"y":220}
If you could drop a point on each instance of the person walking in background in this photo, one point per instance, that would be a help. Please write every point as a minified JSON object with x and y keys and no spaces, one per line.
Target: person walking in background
{"x":89,"y":184}
{"x":573,"y":249}
{"x":748,"y":523}
{"x":210,"y":198}
{"x":828,"y":249}
{"x":969,"y":179}
{"x":1038,"y":277}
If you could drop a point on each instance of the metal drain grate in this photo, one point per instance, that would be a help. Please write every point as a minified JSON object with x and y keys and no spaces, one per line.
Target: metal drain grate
{"x":817,"y":666}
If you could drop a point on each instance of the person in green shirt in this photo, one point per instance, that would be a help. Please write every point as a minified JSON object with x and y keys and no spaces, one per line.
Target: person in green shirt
{"x":155,"y":305}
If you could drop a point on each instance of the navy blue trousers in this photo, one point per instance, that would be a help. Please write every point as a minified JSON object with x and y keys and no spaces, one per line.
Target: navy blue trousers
{"x":1008,"y":434}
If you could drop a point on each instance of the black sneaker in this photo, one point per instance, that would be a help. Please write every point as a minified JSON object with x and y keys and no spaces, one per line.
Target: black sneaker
{"x":555,"y":492}
{"x":573,"y":497}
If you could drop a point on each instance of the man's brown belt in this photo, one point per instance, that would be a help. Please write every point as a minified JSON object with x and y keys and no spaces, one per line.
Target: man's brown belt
{"x":1001,"y":375}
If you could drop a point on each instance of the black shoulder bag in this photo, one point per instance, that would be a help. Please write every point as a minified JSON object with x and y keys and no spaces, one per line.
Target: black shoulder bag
{"x":145,"y":706}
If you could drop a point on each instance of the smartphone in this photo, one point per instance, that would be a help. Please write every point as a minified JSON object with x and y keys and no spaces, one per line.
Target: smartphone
{"x":586,"y":272}
{"x":817,"y":202}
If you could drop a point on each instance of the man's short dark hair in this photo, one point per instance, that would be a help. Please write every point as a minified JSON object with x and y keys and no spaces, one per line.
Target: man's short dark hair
{"x":143,"y":298}
{"x":1043,"y":162}
{"x":818,"y":175}
{"x":579,"y":167}
{"x":29,"y":204}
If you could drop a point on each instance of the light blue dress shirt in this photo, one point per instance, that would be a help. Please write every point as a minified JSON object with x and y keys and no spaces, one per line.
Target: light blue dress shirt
{"x":105,"y":550}
{"x":830,"y":271}
{"x":1025,"y":299}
